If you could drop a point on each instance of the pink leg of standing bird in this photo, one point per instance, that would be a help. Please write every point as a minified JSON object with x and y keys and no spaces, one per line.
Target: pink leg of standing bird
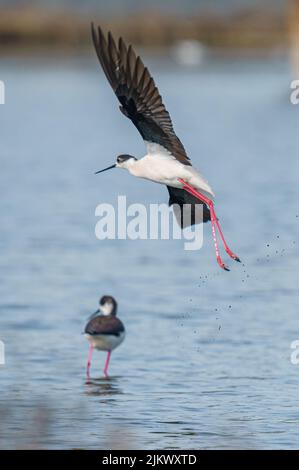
{"x":89,"y":360}
{"x":107,"y":363}
{"x":214,"y":221}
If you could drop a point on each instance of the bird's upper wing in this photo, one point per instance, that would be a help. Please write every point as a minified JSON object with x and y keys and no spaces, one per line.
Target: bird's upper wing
{"x":104,"y":325}
{"x":136,"y":90}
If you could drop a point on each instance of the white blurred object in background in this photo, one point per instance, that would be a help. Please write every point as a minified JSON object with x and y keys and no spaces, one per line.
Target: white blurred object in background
{"x":189,"y":52}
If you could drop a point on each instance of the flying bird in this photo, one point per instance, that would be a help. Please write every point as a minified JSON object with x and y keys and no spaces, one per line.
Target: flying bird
{"x":104,"y":331}
{"x":166,"y":161}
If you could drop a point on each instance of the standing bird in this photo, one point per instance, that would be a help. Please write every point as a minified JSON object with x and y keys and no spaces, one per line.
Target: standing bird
{"x":166,"y":161}
{"x":104,"y":330}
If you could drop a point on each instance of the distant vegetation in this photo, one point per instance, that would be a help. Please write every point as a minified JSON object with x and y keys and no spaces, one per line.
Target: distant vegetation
{"x":251,"y":28}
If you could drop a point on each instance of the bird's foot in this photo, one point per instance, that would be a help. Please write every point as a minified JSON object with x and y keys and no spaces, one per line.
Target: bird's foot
{"x":232,"y":255}
{"x":221,"y":263}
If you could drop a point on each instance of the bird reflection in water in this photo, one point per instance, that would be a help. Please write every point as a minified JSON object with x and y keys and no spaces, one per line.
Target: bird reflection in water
{"x":102,"y":386}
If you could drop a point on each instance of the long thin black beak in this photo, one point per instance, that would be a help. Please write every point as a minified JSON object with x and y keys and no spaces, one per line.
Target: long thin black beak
{"x":105,"y":169}
{"x":94,"y":314}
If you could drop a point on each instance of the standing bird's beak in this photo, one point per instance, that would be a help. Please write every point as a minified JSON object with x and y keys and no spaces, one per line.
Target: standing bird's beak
{"x":105,"y":169}
{"x":94,"y":314}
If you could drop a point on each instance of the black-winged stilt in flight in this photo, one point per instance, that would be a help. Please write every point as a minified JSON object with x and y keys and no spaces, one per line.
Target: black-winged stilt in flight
{"x":166,"y":161}
{"x":104,"y":330}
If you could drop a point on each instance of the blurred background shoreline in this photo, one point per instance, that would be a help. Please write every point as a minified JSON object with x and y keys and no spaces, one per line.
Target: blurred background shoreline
{"x":248,"y":29}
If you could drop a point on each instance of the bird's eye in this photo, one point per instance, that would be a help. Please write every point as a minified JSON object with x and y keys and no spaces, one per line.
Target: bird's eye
{"x":118,"y":160}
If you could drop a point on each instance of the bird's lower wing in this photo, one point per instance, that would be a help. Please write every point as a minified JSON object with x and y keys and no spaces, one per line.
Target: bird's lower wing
{"x":187,"y":208}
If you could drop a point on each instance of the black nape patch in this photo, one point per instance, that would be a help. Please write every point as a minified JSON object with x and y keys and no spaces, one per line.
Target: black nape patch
{"x":124,"y":157}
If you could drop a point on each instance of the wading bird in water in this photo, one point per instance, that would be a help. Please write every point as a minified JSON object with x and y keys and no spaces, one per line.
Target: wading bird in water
{"x":166,"y":161}
{"x":104,"y":330}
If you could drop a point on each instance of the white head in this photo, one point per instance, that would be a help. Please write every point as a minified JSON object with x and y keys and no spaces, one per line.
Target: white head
{"x":124,"y":161}
{"x":108,"y":305}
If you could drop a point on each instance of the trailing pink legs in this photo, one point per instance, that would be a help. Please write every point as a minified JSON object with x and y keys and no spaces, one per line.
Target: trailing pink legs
{"x":89,"y":360}
{"x":107,"y":363}
{"x":214,"y":221}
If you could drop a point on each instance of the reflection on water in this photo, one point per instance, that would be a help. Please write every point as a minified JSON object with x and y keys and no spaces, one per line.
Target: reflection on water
{"x":206,"y":361}
{"x":103,"y":386}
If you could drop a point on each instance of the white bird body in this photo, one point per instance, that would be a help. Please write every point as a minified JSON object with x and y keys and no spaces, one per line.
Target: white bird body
{"x":105,"y":342}
{"x":160,"y":166}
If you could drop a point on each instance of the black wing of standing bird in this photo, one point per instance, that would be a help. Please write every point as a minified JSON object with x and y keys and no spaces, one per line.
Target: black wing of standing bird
{"x":141,"y":102}
{"x":104,"y":325}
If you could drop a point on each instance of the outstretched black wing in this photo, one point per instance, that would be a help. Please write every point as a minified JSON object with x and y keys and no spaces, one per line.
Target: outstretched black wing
{"x":136,"y":90}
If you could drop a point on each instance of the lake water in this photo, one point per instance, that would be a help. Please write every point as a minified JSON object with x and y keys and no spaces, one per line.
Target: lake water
{"x":207,"y":358}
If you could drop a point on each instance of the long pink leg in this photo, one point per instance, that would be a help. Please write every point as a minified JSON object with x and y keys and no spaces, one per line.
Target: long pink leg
{"x":214,"y":221}
{"x":192,"y":191}
{"x":226,"y":247}
{"x":89,"y":360}
{"x":218,"y":257}
{"x":107,"y":363}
